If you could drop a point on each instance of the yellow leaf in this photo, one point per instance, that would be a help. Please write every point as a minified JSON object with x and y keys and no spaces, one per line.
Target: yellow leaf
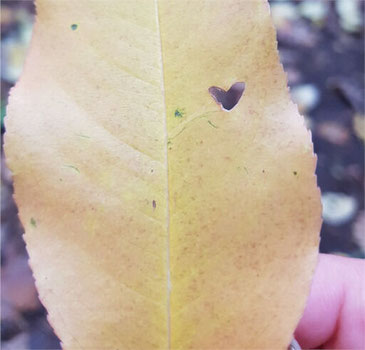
{"x":154,"y":218}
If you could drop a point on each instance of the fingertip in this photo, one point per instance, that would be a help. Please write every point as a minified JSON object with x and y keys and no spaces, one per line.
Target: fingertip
{"x":319,"y":319}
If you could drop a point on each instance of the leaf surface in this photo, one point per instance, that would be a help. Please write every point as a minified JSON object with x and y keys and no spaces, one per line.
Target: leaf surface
{"x":155,"y":219}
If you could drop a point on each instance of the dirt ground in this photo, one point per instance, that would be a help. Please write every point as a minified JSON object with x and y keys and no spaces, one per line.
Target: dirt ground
{"x":321,"y":46}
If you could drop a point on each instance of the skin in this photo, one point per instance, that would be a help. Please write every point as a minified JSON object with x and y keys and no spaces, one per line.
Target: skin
{"x":334,"y":317}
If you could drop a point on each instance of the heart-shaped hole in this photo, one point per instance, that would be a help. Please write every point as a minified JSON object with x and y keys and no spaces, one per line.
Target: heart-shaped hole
{"x":228,"y":99}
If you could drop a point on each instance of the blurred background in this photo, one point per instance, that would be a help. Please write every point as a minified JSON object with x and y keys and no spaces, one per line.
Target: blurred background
{"x":321,"y":44}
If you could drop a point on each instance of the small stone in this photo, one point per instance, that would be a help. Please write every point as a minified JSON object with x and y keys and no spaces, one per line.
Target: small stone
{"x":14,"y":48}
{"x":350,"y":15}
{"x":358,"y":231}
{"x":333,"y":132}
{"x":13,"y":59}
{"x":297,"y":33}
{"x":306,"y":96}
{"x":314,"y":10}
{"x":338,"y":208}
{"x":359,"y":126}
{"x":283,"y":12}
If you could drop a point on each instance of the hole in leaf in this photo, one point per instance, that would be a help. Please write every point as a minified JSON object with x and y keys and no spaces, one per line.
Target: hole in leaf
{"x":228,"y":99}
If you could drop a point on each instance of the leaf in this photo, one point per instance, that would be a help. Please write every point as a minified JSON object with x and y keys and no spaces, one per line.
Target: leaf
{"x":157,"y":229}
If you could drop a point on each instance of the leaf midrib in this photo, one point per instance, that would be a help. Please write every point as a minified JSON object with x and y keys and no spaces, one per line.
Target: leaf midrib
{"x":168,"y":280}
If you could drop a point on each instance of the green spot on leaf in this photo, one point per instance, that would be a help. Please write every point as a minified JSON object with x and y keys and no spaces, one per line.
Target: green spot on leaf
{"x":74,"y":26}
{"x":33,"y":222}
{"x":214,"y":126}
{"x":179,"y":113}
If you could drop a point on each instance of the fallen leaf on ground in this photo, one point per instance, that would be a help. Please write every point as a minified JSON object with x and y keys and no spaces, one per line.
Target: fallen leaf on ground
{"x":154,"y":219}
